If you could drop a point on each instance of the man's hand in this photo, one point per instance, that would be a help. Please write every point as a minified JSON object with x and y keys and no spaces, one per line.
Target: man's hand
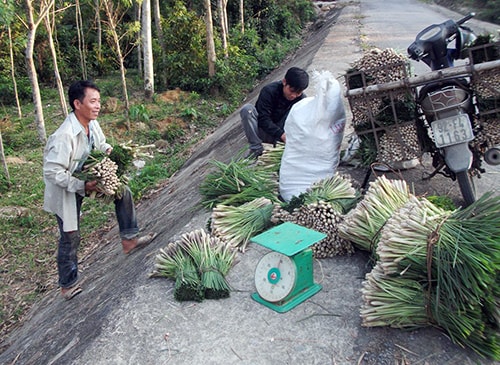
{"x":91,"y":185}
{"x":283,"y":137}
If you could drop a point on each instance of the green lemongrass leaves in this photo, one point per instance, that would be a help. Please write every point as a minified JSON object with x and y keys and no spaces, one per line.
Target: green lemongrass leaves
{"x":237,"y":224}
{"x":454,"y":258}
{"x":199,"y":262}
{"x":362,"y":224}
{"x":336,"y":190}
{"x":236,"y":183}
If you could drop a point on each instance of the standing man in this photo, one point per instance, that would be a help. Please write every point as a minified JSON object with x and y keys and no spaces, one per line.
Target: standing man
{"x":265,"y":121}
{"x":66,"y":151}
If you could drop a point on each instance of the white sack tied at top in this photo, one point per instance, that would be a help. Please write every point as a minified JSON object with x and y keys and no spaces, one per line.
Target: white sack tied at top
{"x":314,"y":130}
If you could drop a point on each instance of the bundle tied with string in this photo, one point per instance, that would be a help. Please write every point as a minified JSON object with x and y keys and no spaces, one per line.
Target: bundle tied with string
{"x":441,"y":268}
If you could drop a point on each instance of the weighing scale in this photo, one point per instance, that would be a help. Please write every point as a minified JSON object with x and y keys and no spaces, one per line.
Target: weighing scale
{"x":284,"y":277}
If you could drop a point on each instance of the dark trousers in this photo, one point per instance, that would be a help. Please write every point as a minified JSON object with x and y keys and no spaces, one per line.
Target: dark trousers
{"x":67,"y":260}
{"x":254,"y":134}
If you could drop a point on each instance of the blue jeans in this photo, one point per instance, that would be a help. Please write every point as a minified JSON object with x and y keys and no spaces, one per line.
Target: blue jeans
{"x":67,"y":261}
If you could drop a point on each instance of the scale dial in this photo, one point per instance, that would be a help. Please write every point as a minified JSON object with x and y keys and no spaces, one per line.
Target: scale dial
{"x":275,"y":276}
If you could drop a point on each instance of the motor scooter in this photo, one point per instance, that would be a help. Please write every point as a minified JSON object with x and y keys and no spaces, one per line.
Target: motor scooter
{"x":447,"y":111}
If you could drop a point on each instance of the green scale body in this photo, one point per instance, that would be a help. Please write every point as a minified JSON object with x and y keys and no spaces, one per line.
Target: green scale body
{"x":284,"y":277}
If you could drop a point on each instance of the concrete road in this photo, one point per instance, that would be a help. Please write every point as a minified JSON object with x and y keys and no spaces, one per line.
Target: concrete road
{"x":123,"y":317}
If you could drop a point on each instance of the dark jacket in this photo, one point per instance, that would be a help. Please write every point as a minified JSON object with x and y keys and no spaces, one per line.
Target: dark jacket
{"x":272,"y":108}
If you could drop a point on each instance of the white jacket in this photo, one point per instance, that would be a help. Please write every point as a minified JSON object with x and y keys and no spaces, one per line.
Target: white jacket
{"x":65,"y":148}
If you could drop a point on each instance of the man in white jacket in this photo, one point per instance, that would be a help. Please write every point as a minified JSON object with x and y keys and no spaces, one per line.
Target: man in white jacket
{"x":66,"y":151}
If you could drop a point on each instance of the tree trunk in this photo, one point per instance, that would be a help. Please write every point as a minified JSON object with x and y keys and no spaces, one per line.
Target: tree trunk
{"x":161,"y":39}
{"x":110,"y":13}
{"x":98,"y":30}
{"x":242,"y":17}
{"x":31,"y":69}
{"x":57,"y":75}
{"x":211,"y":55}
{"x":140,"y":60}
{"x":13,"y":74}
{"x":81,"y":39}
{"x":223,"y":25}
{"x":2,"y":160}
{"x":147,"y":41}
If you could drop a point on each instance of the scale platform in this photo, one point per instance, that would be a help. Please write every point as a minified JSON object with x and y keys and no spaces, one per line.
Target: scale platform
{"x":284,"y":276}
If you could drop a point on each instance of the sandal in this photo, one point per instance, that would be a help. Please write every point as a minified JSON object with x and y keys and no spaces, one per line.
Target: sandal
{"x":142,"y":242}
{"x":71,"y":292}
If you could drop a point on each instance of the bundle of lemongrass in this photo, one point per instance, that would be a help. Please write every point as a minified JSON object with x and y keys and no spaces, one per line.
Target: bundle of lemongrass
{"x":440,"y":268}
{"x":321,"y":208}
{"x":236,"y":183}
{"x":237,"y":224}
{"x":110,"y":170}
{"x":362,"y":224}
{"x":271,"y":157}
{"x":337,"y":190}
{"x":213,"y":259}
{"x":124,"y":155}
{"x":199,"y":263}
{"x":99,"y":167}
{"x":322,"y":217}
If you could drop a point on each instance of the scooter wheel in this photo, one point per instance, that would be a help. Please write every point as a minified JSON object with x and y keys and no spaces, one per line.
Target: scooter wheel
{"x":467,"y":187}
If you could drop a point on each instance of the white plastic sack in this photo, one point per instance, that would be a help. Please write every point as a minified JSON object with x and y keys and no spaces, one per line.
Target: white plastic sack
{"x":314,"y":130}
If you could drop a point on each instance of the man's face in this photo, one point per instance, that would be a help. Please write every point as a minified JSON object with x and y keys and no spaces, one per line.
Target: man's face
{"x":89,"y":108}
{"x":289,"y":92}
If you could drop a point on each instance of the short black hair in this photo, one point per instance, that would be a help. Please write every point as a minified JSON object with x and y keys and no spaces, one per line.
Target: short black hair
{"x":77,"y":91}
{"x":297,"y":78}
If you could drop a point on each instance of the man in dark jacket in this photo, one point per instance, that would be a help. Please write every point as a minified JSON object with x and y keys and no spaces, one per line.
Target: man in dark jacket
{"x":265,"y":121}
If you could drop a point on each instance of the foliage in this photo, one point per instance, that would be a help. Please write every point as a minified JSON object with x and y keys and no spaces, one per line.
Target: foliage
{"x":139,"y":113}
{"x":185,"y":59}
{"x":271,"y":30}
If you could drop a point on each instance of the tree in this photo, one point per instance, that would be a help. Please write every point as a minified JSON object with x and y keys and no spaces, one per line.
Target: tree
{"x":99,"y":29}
{"x":114,"y":14}
{"x":211,"y":55}
{"x":147,"y":43}
{"x":222,"y":6}
{"x":32,"y":26}
{"x":242,"y":17}
{"x":81,"y":38}
{"x":49,"y":24}
{"x":6,"y":16}
{"x":160,"y":37}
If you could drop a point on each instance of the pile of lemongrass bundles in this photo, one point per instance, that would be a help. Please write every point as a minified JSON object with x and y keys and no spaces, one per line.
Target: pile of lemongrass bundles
{"x":235,"y":225}
{"x":322,"y":217}
{"x":454,"y":258}
{"x":322,"y":207}
{"x":362,"y":224}
{"x":199,"y":263}
{"x":271,"y":157}
{"x":236,"y":183}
